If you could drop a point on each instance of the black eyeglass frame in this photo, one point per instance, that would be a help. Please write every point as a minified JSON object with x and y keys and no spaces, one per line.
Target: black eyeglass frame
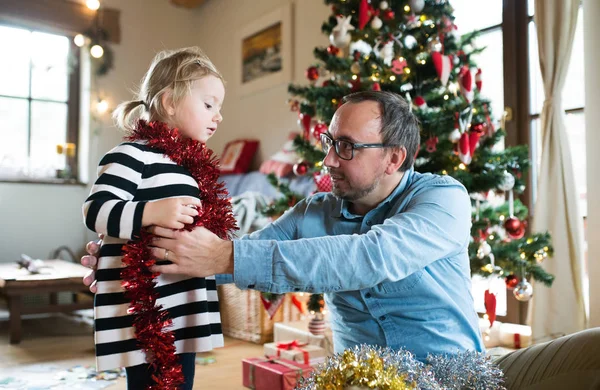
{"x":335,"y":143}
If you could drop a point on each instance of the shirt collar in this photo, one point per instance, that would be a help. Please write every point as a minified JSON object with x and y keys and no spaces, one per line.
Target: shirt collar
{"x":341,"y":207}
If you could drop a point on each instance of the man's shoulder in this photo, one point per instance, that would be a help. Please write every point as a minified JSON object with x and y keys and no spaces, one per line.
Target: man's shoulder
{"x":421,"y":181}
{"x":436,"y":186}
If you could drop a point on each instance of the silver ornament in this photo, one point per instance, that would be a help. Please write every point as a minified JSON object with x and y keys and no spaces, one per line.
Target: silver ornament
{"x":376,"y":23}
{"x":507,"y":183}
{"x":523,"y":291}
{"x":384,"y":5}
{"x":417,"y":5}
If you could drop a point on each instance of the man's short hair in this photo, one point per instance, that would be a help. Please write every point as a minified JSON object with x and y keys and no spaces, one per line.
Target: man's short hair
{"x":399,"y":126}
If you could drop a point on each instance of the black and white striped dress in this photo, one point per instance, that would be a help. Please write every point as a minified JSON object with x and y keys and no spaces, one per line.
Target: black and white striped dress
{"x":129,"y":176}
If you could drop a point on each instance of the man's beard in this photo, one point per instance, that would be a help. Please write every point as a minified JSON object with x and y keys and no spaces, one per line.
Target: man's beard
{"x":353,"y":194}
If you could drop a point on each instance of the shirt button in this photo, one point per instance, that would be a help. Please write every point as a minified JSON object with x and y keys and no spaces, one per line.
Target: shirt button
{"x":382,"y":318}
{"x":251,"y":286}
{"x":368,"y":223}
{"x":368,"y":295}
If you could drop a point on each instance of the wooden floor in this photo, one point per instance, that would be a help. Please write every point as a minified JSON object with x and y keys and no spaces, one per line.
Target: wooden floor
{"x":65,"y":342}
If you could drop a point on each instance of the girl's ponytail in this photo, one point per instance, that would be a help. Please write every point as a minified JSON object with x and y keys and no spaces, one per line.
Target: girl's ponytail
{"x":124,"y":114}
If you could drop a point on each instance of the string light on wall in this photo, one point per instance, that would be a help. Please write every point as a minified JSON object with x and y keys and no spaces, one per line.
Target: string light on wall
{"x":96,"y":37}
{"x":102,"y":106}
{"x":97,"y":51}
{"x":93,"y":4}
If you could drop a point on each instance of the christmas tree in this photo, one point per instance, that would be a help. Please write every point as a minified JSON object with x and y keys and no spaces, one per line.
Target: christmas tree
{"x":410,"y":47}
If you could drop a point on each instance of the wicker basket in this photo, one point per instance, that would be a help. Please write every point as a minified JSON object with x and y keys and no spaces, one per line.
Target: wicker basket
{"x":244,"y":317}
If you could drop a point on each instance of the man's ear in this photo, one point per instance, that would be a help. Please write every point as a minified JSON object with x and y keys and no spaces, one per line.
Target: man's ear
{"x":397,"y":157}
{"x":167,"y":102}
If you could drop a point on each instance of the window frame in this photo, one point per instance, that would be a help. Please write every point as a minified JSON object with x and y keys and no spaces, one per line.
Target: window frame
{"x":73,"y":108}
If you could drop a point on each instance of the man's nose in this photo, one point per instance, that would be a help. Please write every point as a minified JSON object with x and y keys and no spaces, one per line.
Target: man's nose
{"x":331,"y":158}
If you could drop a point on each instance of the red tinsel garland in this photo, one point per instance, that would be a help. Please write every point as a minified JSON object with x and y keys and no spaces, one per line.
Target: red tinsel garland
{"x":151,"y":323}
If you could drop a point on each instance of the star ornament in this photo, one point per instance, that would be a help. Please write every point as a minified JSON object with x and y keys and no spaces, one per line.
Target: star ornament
{"x":343,"y":24}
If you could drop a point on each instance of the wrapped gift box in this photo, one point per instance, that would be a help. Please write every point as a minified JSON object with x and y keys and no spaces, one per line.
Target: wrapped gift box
{"x":272,"y":374}
{"x":506,"y":335}
{"x":296,"y":351}
{"x":514,"y":335}
{"x":298,"y":330}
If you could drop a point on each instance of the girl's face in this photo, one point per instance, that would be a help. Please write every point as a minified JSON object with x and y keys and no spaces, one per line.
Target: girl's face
{"x":199,"y":113}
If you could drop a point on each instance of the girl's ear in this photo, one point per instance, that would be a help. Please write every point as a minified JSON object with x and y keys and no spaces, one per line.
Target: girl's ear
{"x":167,"y":102}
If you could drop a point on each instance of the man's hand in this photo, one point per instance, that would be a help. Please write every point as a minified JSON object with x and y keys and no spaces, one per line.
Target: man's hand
{"x":173,"y":213}
{"x":198,"y":253}
{"x":90,"y":261}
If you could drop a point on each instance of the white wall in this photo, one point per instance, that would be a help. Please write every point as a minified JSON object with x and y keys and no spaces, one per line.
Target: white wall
{"x":35,"y":218}
{"x":264,"y":115}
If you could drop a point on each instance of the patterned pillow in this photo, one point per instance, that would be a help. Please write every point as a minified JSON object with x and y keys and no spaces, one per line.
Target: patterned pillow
{"x":237,"y":156}
{"x":282,"y":162}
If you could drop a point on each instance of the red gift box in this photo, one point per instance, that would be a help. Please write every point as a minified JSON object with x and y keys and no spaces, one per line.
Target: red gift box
{"x":272,"y":374}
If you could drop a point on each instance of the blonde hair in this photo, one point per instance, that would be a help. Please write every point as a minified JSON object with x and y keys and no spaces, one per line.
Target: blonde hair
{"x":171,"y":70}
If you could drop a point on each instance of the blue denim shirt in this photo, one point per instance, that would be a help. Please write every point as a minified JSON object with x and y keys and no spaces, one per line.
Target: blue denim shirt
{"x":398,"y":276}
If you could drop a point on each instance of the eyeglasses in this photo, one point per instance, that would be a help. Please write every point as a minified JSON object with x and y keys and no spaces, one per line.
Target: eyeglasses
{"x":345,"y":149}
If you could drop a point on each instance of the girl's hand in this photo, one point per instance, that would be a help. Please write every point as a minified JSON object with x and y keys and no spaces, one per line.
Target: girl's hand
{"x":172,"y":213}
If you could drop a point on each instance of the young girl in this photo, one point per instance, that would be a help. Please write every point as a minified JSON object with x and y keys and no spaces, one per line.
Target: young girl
{"x":158,"y":179}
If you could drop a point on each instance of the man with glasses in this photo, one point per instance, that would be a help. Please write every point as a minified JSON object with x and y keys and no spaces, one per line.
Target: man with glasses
{"x":388,"y":246}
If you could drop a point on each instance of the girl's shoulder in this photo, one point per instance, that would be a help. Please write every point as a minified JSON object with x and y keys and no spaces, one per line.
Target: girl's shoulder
{"x":138,"y":150}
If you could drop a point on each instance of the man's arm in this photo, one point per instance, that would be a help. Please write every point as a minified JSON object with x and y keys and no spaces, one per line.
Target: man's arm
{"x":434,"y":226}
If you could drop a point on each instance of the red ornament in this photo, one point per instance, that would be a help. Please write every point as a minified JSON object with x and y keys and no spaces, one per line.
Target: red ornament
{"x":300,"y":169}
{"x":326,"y":83}
{"x":514,"y":228}
{"x":376,"y":87}
{"x":294,"y":105}
{"x":319,"y":129}
{"x":465,"y":81}
{"x":298,"y":304}
{"x":388,"y":14}
{"x":304,"y":123}
{"x":511,"y":281}
{"x":478,"y":79}
{"x":420,"y":102}
{"x":431,"y":144}
{"x":363,"y":14}
{"x":479,"y":128}
{"x":398,"y":66}
{"x":356,"y":85}
{"x":443,"y":66}
{"x":312,"y":73}
{"x":333,"y":50}
{"x":489,"y":301}
{"x":151,"y":323}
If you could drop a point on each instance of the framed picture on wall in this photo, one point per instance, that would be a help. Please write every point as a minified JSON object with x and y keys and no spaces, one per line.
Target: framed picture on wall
{"x":265,"y":51}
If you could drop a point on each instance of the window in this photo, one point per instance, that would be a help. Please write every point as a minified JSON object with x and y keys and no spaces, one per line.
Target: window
{"x":573,"y":97}
{"x":489,"y":25}
{"x":39,"y":102}
{"x":512,"y":78}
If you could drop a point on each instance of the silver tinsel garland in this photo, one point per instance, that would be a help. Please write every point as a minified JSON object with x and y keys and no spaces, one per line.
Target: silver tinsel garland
{"x":371,"y":367}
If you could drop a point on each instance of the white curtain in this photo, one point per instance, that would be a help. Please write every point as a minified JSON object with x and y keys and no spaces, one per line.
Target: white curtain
{"x":559,"y":309}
